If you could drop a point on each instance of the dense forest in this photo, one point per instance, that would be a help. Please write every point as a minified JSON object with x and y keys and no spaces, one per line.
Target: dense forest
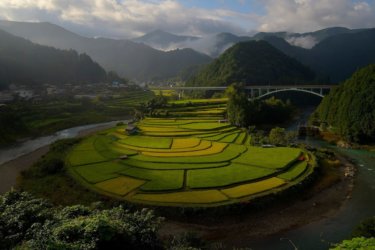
{"x":253,"y":62}
{"x":349,"y":110}
{"x":23,"y":62}
{"x":243,"y":113}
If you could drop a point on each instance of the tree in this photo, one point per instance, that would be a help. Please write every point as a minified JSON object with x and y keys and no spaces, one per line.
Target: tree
{"x":356,"y":243}
{"x":350,"y":108}
{"x":138,"y":114}
{"x":291,"y":137}
{"x":238,"y":105}
{"x":243,"y":112}
{"x":35,"y":224}
{"x":19,"y":212}
{"x":277,"y":136}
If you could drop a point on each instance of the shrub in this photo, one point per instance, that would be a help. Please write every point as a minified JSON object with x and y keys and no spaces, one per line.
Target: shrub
{"x":51,"y":166}
{"x":356,"y":243}
{"x":18,"y":213}
{"x":365,"y":229}
{"x":37,"y":225}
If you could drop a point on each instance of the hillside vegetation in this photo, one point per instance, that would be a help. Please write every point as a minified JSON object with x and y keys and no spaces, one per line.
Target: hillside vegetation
{"x":335,"y":58}
{"x":32,"y":223}
{"x":350,"y":108}
{"x":129,"y":59}
{"x":29,"y":118}
{"x":253,"y":62}
{"x":26,"y":63}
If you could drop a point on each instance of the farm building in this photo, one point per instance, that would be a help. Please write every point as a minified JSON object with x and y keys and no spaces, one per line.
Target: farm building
{"x":131,"y":129}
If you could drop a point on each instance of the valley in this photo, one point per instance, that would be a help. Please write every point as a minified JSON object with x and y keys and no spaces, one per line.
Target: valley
{"x":190,"y":127}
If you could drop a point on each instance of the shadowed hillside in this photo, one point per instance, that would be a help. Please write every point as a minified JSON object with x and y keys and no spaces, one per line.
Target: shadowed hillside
{"x":129,"y":59}
{"x":26,"y":63}
{"x":254,"y":62}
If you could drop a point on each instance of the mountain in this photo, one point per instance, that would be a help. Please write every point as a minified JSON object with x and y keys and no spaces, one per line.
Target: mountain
{"x":307,"y":40}
{"x":333,"y":53}
{"x":223,"y":41}
{"x":215,"y":45}
{"x":160,"y":39}
{"x":337,"y":56}
{"x":350,"y":108}
{"x":252,"y":63}
{"x":212,"y":45}
{"x":26,"y":63}
{"x":128,"y":58}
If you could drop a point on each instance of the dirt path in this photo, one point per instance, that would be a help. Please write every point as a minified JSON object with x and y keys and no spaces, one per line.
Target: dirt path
{"x":9,"y":171}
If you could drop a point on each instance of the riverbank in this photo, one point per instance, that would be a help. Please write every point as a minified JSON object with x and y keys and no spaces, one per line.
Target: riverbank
{"x":11,"y":169}
{"x":322,"y":200}
{"x":335,"y":139}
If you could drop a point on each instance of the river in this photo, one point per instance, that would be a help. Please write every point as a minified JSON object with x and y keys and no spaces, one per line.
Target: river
{"x":29,"y":146}
{"x":320,"y":235}
{"x":314,"y":236}
{"x":31,"y":150}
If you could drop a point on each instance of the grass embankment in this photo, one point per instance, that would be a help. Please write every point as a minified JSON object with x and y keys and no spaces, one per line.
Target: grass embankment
{"x":48,"y":179}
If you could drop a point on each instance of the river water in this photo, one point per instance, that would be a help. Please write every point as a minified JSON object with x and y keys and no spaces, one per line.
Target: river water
{"x":322,"y":234}
{"x":314,"y":236}
{"x":34,"y":144}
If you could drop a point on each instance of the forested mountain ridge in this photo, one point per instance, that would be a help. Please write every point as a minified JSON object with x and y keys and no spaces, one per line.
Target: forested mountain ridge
{"x":252,"y":63}
{"x":336,"y":57}
{"x":26,"y":63}
{"x":129,"y":59}
{"x":216,"y":44}
{"x":350,"y":108}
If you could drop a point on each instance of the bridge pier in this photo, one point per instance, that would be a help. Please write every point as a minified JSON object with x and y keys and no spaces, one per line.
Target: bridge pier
{"x":259,"y":91}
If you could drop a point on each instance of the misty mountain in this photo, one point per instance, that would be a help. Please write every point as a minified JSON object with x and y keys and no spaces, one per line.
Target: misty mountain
{"x":128,"y":58}
{"x":306,"y":40}
{"x":223,"y":41}
{"x":23,"y":62}
{"x":337,"y":56}
{"x":252,"y":63}
{"x":160,"y":39}
{"x":214,"y":45}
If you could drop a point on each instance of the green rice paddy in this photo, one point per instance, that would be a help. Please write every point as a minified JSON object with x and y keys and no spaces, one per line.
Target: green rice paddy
{"x":184,"y":160}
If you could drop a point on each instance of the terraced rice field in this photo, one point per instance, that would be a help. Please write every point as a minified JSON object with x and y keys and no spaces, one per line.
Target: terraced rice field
{"x":184,"y":161}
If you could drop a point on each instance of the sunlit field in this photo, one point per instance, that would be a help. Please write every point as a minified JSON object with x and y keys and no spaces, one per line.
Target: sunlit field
{"x":185,"y":159}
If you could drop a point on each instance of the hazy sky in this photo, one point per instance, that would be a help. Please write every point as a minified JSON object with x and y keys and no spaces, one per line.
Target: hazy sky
{"x":131,"y":18}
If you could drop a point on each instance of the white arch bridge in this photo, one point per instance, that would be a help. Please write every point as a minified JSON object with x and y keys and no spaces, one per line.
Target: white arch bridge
{"x":260,"y":91}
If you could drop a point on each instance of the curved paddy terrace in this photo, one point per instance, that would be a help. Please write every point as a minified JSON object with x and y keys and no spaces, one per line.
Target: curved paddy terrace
{"x":211,"y":166}
{"x":185,"y":162}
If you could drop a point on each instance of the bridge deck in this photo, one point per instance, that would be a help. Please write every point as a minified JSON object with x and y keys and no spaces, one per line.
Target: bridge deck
{"x":262,"y":87}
